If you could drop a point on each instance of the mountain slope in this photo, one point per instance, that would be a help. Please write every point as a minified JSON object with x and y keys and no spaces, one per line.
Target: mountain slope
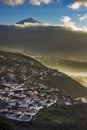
{"x":56,"y":118}
{"x":28,"y":69}
{"x":65,"y":118}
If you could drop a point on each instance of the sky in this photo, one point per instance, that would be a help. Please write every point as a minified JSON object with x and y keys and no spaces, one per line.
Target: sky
{"x":46,"y":11}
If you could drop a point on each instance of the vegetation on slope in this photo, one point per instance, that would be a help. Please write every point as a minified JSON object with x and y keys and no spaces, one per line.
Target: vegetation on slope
{"x":65,"y":118}
{"x":67,"y":85}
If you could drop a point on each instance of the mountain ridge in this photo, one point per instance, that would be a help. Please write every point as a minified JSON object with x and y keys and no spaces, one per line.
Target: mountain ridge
{"x":54,"y":78}
{"x":29,"y":20}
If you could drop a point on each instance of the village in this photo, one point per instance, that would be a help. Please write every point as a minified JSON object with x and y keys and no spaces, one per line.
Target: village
{"x":24,"y":100}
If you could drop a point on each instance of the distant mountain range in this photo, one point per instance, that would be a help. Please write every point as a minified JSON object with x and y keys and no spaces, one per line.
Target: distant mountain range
{"x":29,"y":20}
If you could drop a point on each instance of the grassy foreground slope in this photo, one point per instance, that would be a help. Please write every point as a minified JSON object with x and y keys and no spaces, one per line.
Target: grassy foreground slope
{"x":65,"y":118}
{"x":56,"y":118}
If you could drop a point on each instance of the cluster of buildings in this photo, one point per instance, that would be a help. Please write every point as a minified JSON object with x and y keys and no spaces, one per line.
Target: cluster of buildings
{"x":23,"y":102}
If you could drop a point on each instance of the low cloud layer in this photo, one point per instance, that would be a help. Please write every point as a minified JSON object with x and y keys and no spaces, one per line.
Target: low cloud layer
{"x":34,"y":2}
{"x":28,"y":24}
{"x":50,"y":40}
{"x":77,"y":4}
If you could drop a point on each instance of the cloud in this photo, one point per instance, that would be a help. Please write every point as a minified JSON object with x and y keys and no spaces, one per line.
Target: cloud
{"x":84,"y":17}
{"x":12,"y":2}
{"x":67,"y":23}
{"x":34,"y":2}
{"x":65,"y":19}
{"x":39,"y":2}
{"x":77,"y":4}
{"x":28,"y":24}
